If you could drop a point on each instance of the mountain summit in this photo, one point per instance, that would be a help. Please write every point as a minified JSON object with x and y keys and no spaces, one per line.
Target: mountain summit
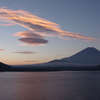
{"x":88,"y":51}
{"x":89,"y":55}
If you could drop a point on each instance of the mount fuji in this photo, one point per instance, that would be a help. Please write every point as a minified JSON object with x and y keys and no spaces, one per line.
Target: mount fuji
{"x":88,"y":56}
{"x":87,"y":59}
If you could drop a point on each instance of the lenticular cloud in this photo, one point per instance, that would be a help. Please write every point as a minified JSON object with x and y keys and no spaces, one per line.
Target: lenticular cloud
{"x":33,"y":40}
{"x":38,"y":27}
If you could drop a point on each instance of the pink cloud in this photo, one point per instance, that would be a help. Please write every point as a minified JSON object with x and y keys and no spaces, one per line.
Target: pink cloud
{"x":34,"y":44}
{"x":26,"y":52}
{"x":34,"y":41}
{"x":39,"y":27}
{"x":31,"y":39}
{"x":7,"y":24}
{"x":1,"y":49}
{"x":28,"y":34}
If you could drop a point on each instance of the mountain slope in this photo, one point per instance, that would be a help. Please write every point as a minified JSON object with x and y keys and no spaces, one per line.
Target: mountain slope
{"x":89,"y":55}
{"x":5,"y":67}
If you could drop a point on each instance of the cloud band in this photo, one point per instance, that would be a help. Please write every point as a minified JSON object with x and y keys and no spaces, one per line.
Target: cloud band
{"x":38,"y":27}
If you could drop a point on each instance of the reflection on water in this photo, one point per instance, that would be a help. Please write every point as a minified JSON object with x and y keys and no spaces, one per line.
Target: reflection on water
{"x":66,"y":85}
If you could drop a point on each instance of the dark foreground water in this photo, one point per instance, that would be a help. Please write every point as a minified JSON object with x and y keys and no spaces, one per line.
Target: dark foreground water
{"x":65,"y":85}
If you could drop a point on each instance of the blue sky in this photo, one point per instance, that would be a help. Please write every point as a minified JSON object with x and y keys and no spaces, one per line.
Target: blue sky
{"x":80,"y":18}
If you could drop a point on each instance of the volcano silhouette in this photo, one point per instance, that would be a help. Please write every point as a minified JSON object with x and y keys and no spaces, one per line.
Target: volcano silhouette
{"x":89,"y":55}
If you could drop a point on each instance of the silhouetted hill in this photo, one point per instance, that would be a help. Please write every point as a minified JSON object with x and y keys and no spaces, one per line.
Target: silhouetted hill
{"x":89,"y":55}
{"x":98,"y":67}
{"x":85,"y":60}
{"x":5,"y":67}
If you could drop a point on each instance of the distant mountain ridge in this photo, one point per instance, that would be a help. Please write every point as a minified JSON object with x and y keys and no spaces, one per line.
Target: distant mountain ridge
{"x":85,"y":60}
{"x":89,"y":55}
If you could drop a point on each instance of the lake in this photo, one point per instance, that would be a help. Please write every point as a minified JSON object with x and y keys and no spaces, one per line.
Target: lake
{"x":61,"y":85}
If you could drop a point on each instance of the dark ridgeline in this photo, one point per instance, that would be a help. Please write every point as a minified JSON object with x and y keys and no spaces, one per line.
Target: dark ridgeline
{"x":5,"y":67}
{"x":88,"y":57}
{"x":98,"y":67}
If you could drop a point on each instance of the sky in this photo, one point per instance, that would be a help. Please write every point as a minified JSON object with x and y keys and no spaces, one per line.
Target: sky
{"x":38,"y":31}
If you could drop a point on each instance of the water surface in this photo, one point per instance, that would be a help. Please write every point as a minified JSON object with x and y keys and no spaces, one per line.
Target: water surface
{"x":64,"y":85}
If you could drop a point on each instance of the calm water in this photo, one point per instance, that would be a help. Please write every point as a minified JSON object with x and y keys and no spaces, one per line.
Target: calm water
{"x":67,"y":85}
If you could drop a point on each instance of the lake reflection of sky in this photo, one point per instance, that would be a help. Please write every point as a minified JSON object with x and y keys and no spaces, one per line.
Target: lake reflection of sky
{"x":68,"y":85}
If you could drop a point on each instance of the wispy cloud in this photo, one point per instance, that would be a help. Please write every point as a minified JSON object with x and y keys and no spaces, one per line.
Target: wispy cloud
{"x":28,"y":34}
{"x":32,"y":61}
{"x":1,"y":49}
{"x":25,"y":52}
{"x":6,"y":22}
{"x":39,"y":26}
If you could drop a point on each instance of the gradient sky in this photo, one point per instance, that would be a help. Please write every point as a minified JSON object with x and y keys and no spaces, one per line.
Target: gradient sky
{"x":37,"y":31}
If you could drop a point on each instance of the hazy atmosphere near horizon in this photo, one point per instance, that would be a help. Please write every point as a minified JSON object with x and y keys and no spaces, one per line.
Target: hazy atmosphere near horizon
{"x":38,"y":31}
